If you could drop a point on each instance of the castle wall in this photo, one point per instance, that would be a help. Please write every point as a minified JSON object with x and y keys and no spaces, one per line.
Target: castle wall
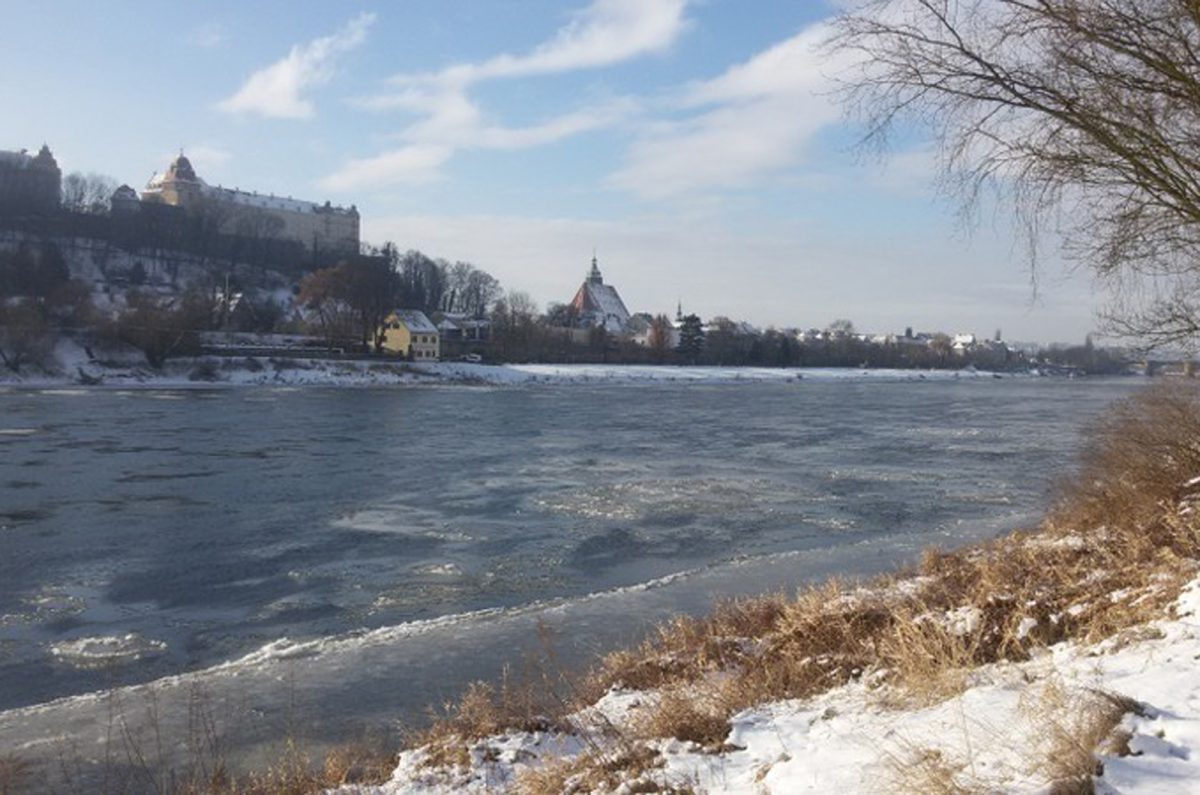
{"x":319,"y":228}
{"x":28,"y":183}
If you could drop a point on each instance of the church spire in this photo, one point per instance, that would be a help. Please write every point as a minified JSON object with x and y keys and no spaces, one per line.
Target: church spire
{"x":594,"y":276}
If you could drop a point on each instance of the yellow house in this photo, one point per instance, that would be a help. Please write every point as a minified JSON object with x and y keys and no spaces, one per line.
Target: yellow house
{"x":409,"y":333}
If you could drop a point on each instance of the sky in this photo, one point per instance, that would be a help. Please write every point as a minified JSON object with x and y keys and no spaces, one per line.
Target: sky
{"x":694,"y":145}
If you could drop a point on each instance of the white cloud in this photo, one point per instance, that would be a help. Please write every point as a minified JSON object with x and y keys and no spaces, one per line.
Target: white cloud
{"x":432,"y":143}
{"x":557,"y":128}
{"x":276,"y":91}
{"x":750,"y":122}
{"x":605,"y":33}
{"x":411,"y":165}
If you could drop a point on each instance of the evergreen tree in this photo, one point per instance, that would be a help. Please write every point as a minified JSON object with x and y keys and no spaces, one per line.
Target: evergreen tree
{"x":691,"y":338}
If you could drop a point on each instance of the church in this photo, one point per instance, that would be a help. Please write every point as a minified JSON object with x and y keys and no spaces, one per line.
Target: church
{"x":598,"y":305}
{"x":320,"y":228}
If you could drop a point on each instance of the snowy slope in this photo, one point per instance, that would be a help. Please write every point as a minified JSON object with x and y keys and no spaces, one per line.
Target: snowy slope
{"x":1001,"y":734}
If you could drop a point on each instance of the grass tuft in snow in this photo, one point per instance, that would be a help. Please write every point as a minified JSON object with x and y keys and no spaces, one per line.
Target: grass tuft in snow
{"x":625,"y":767}
{"x":1074,"y":725}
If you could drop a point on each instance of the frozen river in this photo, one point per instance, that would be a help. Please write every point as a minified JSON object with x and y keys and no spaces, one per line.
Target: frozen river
{"x":313,"y":561}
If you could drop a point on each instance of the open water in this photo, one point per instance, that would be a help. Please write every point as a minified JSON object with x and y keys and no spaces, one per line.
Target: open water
{"x":309,"y":562}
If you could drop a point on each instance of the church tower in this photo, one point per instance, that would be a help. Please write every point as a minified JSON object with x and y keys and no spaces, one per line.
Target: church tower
{"x":594,"y":276}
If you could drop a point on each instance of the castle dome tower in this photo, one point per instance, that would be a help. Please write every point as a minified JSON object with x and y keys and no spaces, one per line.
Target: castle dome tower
{"x":179,"y":185}
{"x":181,"y":170}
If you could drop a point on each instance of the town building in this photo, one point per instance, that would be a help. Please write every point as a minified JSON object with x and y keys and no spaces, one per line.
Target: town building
{"x":598,"y":305}
{"x":409,"y":333}
{"x":124,"y":201}
{"x":320,"y":228}
{"x":30,"y":183}
{"x":460,"y":326}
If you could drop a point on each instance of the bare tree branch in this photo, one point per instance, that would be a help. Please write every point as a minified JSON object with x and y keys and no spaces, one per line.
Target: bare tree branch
{"x":1084,"y":112}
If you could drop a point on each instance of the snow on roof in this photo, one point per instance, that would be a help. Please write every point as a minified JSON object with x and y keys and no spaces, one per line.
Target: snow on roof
{"x":465,"y":320}
{"x":270,"y":201}
{"x":604,"y":299}
{"x":266,"y":201}
{"x":415,"y":321}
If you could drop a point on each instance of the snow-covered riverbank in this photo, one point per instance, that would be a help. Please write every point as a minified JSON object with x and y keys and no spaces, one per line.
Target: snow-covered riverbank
{"x":76,"y":369}
{"x":1013,"y":729}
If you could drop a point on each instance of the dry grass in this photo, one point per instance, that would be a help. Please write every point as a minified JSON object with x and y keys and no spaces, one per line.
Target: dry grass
{"x":296,"y":773}
{"x":136,"y":760}
{"x":625,"y":767}
{"x":1074,"y":726}
{"x":927,"y":771}
{"x":1063,"y":727}
{"x":532,"y":701}
{"x":678,"y":713}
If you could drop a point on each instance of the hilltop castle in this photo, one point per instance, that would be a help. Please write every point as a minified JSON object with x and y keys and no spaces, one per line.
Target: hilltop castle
{"x":30,"y":182}
{"x":318,"y":227}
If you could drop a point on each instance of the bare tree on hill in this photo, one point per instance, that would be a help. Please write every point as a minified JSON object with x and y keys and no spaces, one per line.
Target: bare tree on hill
{"x":87,"y":193}
{"x":660,"y":338}
{"x":357,"y":294}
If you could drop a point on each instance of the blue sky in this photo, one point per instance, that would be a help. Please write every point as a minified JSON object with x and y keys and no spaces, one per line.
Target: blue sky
{"x":692,"y":143}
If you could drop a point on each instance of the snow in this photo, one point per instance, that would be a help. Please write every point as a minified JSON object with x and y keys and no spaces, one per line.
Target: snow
{"x":272,"y":202}
{"x":997,"y":735}
{"x":607,"y":305}
{"x":1027,"y":625}
{"x":125,"y":369}
{"x":964,"y":620}
{"x":416,"y":321}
